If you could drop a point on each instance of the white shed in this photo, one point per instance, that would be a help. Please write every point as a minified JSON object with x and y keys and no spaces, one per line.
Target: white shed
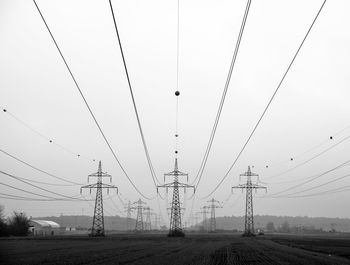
{"x":45,"y":228}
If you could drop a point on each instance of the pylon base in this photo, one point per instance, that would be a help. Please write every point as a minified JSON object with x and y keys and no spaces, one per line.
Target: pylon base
{"x":248,"y":234}
{"x":176,"y":233}
{"x":97,"y":235}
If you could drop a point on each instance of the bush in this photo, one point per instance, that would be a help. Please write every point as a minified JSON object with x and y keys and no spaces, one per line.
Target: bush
{"x":18,"y":224}
{"x":3,"y":225}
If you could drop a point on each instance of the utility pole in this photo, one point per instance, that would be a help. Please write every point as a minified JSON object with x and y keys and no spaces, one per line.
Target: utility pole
{"x":139,"y":218}
{"x":213,"y":206}
{"x":98,"y":221}
{"x":128,"y":210}
{"x":176,"y":229}
{"x":249,"y":215}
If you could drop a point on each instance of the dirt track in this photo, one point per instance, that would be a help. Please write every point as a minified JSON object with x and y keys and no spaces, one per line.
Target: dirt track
{"x":193,"y":249}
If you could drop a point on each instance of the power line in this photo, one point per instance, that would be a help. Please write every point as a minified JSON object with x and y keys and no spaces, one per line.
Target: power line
{"x":326,"y":192}
{"x":15,"y":197}
{"x":115,"y":205}
{"x":154,"y":177}
{"x":35,"y":186}
{"x":320,"y":185}
{"x":47,"y":183}
{"x":87,"y":104}
{"x":33,"y":193}
{"x":314,"y":178}
{"x":269,"y":103}
{"x":211,"y":139}
{"x":177,"y":93}
{"x":38,"y":169}
{"x":309,"y":160}
{"x":48,"y":139}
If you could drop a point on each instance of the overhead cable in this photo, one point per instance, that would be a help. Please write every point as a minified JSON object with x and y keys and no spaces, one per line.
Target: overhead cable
{"x":48,"y":139}
{"x":269,"y":103}
{"x":40,"y":170}
{"x":153,"y":174}
{"x":223,"y":97}
{"x":35,"y":186}
{"x":88,"y":106}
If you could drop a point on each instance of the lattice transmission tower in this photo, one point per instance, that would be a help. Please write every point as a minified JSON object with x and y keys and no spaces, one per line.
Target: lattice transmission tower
{"x":212,"y":222}
{"x":156,"y":221}
{"x":98,"y":221}
{"x":128,"y":211}
{"x":148,"y":223}
{"x":249,"y":186}
{"x":204,"y":213}
{"x":176,"y":228}
{"x":196,"y":219}
{"x":139,"y":226}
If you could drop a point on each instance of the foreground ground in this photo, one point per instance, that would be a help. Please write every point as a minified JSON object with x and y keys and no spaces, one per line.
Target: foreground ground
{"x":193,"y":249}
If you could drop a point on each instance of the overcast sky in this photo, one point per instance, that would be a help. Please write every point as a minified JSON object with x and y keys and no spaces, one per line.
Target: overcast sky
{"x":311,"y":105}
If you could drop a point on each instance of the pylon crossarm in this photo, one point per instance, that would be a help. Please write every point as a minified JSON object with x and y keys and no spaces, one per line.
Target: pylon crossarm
{"x":178,"y":173}
{"x":101,"y":185}
{"x":102,"y":175}
{"x":97,"y":174}
{"x":167,"y":185}
{"x":175,"y":184}
{"x":256,"y":186}
{"x":241,"y":186}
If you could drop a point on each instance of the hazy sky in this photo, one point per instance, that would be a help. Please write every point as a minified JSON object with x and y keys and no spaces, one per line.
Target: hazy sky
{"x":312,"y":104}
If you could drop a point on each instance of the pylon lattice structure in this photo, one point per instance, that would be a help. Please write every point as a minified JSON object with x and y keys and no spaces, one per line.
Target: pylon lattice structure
{"x":196,"y":218}
{"x":139,"y":217}
{"x":204,"y":213}
{"x":98,"y":220}
{"x":148,"y":224}
{"x":128,"y":210}
{"x":249,"y":215}
{"x":156,"y":221}
{"x":182,"y":209}
{"x":212,"y":223}
{"x":176,"y":228}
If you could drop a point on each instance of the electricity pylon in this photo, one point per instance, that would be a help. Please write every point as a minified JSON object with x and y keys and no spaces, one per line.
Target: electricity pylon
{"x":175,"y":218}
{"x":213,"y":205}
{"x":196,"y":219}
{"x":249,"y":215}
{"x":98,"y":221}
{"x":148,"y":224}
{"x":128,"y":211}
{"x":139,"y":217}
{"x":156,"y":221}
{"x":204,"y":216}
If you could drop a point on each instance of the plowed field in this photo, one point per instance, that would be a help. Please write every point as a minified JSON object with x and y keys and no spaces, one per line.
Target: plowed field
{"x":193,"y":249}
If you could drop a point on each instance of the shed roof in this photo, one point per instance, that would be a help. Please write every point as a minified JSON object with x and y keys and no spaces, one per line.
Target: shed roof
{"x":46,"y":223}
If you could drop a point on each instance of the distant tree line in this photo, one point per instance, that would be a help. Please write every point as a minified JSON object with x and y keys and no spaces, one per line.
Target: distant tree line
{"x":286,"y":228}
{"x":15,"y":225}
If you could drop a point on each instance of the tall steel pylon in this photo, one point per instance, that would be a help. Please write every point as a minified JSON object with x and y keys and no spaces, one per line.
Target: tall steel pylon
{"x":213,"y":205}
{"x":204,"y":213}
{"x":128,"y":210}
{"x":176,"y":228}
{"x":156,"y":221}
{"x":98,"y":221}
{"x":148,"y":224}
{"x":139,"y":217}
{"x":249,"y":215}
{"x":196,"y":218}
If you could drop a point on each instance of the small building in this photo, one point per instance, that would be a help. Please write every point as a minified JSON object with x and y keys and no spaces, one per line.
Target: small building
{"x":45,"y":228}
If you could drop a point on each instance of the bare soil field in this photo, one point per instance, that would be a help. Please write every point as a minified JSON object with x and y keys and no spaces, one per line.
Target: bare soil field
{"x":196,"y":249}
